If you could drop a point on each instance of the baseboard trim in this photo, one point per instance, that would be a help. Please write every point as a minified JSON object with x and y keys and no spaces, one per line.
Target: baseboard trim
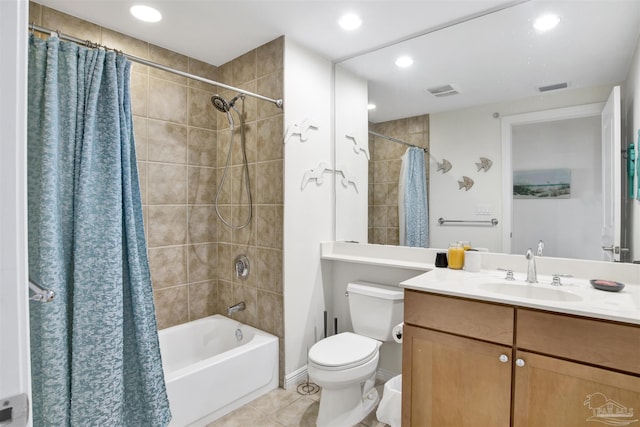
{"x":299,"y":376}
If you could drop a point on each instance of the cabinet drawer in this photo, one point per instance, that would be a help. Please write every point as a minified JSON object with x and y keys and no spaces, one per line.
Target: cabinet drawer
{"x":484,"y":321}
{"x":597,"y":342}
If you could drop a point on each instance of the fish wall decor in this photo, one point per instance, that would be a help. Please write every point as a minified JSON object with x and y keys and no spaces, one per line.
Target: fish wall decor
{"x":466,"y":183}
{"x":485,"y":164}
{"x":445,"y":166}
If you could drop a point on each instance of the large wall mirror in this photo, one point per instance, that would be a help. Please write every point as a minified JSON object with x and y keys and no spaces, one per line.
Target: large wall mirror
{"x":470,"y":80}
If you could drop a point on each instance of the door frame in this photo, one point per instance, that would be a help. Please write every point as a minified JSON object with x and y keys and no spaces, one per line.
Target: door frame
{"x":15,"y":376}
{"x":507,"y":124}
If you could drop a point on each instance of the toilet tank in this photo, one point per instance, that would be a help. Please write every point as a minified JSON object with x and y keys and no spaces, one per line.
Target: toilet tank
{"x":375,"y":309}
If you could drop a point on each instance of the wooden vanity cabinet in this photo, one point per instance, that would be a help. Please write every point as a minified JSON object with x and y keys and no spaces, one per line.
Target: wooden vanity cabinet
{"x":449,"y":379}
{"x":466,"y":364}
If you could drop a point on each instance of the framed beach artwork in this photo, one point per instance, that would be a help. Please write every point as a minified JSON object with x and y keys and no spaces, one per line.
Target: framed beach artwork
{"x":542,"y":184}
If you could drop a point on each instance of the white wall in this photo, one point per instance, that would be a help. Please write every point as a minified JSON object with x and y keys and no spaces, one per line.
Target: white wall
{"x":631,"y":125}
{"x":574,"y":144}
{"x":351,"y":119}
{"x":462,"y":137}
{"x":308,"y":213}
{"x":14,"y":323}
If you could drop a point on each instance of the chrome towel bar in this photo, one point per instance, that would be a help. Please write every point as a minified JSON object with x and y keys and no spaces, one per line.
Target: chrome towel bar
{"x":492,"y":221}
{"x":40,"y":294}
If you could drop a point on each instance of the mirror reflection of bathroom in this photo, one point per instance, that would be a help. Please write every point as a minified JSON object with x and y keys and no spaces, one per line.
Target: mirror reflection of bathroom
{"x":463,"y":113}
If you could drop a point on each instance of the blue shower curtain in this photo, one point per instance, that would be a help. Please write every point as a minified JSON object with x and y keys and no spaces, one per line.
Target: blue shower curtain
{"x":413,"y":214}
{"x":94,"y":348}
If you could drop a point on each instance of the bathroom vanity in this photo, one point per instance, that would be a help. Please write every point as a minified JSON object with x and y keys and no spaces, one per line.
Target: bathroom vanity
{"x":537,"y":355}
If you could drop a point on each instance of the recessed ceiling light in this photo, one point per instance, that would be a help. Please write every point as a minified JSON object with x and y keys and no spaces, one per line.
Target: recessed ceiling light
{"x":546,"y":22}
{"x":371,"y":106}
{"x":350,"y":21}
{"x":145,"y":13}
{"x":404,"y":61}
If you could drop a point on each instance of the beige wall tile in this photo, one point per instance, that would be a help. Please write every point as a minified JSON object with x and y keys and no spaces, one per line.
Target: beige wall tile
{"x":204,"y":70}
{"x":167,"y":142}
{"x":203,"y":299}
{"x":240,"y":215}
{"x":35,"y":13}
{"x":270,"y":57}
{"x":171,"y":306}
{"x":226,"y":256}
{"x":170,"y":59}
{"x":167,"y":184}
{"x":249,"y":295}
{"x":239,"y":183}
{"x":201,"y":112}
{"x":167,"y":225}
{"x":202,"y":186}
{"x":268,"y":311}
{"x":270,"y":139}
{"x":202,"y":147}
{"x":167,"y":101}
{"x":203,"y":261}
{"x":225,"y":296}
{"x":142,"y":180}
{"x":128,"y":45}
{"x":140,"y":136}
{"x":269,"y":182}
{"x":139,"y":94}
{"x":168,"y":266}
{"x":268,"y":269}
{"x":248,"y":106}
{"x":70,"y":25}
{"x":244,"y":68}
{"x":250,"y":143}
{"x":270,"y":86}
{"x":202,"y":224}
{"x":269,"y":226}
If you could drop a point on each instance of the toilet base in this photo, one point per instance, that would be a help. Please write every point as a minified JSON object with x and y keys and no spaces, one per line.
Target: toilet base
{"x":347,"y":406}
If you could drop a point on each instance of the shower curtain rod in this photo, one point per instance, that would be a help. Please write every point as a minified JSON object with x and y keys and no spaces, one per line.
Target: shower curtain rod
{"x":278,"y":102}
{"x":397,"y":141}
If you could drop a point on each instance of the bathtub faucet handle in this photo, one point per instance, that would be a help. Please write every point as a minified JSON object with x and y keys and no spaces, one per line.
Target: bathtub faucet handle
{"x":236,"y":307}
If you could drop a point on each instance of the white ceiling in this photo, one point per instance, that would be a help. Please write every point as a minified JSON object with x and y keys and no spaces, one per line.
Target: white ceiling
{"x":592,"y":44}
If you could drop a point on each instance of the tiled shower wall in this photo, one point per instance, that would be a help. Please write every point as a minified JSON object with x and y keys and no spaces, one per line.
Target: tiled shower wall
{"x":182,"y":144}
{"x":384,"y":172}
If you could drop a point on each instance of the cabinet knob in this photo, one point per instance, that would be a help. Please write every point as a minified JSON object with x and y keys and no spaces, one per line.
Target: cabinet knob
{"x":504,"y":358}
{"x":519,"y":363}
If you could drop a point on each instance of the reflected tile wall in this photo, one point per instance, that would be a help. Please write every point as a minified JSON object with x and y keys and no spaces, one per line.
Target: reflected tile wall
{"x":182,"y":144}
{"x":384,"y":172}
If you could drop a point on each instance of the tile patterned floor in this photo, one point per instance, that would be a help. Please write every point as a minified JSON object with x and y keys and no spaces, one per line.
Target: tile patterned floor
{"x":283,"y":408}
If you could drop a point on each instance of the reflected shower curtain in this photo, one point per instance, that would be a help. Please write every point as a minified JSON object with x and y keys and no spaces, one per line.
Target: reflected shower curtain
{"x":413,"y":214}
{"x":94,"y":348}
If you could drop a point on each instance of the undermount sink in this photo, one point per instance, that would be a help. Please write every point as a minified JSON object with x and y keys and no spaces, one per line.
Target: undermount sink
{"x":530,"y":292}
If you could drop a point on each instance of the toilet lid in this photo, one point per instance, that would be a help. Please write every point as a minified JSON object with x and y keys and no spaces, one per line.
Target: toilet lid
{"x":343,"y":350}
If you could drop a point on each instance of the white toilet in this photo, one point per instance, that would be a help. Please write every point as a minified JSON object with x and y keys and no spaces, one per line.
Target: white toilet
{"x":344,"y":365}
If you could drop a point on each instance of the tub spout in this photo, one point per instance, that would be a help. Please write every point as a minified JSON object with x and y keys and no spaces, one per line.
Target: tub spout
{"x":236,"y":307}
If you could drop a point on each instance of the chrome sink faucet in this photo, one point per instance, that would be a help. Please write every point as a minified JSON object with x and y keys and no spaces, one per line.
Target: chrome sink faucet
{"x":532,"y":276}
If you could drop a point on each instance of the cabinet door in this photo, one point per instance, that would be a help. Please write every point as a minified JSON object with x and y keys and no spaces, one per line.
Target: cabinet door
{"x":450,"y":381}
{"x":553,"y":392}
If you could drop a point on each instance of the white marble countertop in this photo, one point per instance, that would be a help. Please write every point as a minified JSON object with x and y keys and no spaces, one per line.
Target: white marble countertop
{"x":576,"y":296}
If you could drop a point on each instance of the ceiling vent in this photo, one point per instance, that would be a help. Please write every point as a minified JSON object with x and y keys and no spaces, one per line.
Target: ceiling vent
{"x":553,"y":87}
{"x":442,"y":91}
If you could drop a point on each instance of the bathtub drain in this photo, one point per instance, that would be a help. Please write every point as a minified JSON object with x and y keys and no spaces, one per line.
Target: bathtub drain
{"x":239,"y":334}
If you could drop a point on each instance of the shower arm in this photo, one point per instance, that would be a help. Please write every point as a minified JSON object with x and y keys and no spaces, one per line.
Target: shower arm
{"x":278,"y":102}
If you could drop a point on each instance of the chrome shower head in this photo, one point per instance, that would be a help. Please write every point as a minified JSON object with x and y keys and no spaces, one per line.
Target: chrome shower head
{"x":220,"y":103}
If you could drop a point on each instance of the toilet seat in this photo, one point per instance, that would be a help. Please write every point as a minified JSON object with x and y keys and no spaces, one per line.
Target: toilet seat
{"x":343,"y":351}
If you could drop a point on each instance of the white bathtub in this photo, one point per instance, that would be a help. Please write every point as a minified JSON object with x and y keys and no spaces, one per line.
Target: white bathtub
{"x":209,"y":372}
